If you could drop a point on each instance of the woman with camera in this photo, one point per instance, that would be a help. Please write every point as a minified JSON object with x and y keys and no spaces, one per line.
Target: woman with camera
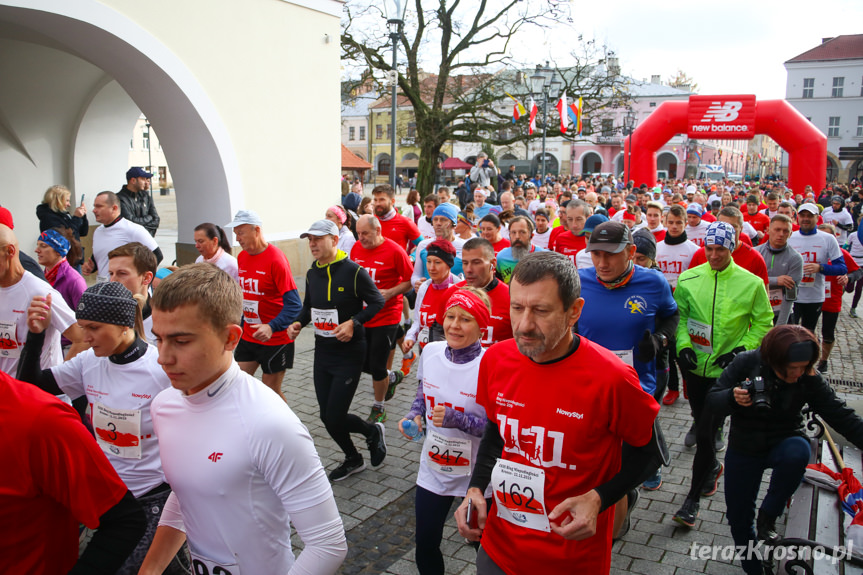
{"x":764,"y":391}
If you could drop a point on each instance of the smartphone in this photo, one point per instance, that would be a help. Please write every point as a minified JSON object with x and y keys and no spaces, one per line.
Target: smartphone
{"x":471,"y":518}
{"x":485,"y":164}
{"x":82,"y":200}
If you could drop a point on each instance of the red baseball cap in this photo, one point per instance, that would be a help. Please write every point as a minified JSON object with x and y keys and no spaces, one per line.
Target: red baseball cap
{"x":6,"y":218}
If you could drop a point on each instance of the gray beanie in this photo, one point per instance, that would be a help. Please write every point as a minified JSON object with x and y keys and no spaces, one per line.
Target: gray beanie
{"x":107,"y":302}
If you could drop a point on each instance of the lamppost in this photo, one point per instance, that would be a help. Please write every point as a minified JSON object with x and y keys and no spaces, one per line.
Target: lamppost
{"x":544,"y":84}
{"x":395,"y":12}
{"x":149,"y":156}
{"x":630,"y":120}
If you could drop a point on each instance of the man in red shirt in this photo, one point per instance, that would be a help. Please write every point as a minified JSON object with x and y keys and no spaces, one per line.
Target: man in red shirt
{"x":57,"y":477}
{"x":559,"y":409}
{"x":394,"y":226}
{"x":270,"y":303}
{"x":479,"y":261}
{"x":744,"y":255}
{"x":758,"y":220}
{"x":390,"y":268}
{"x":572,"y":242}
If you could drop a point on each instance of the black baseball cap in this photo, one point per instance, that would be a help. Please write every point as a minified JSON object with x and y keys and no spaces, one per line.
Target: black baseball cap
{"x":610,"y":237}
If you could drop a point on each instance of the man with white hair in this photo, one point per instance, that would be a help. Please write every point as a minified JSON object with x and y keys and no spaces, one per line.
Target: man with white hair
{"x":696,"y":227}
{"x":480,"y":209}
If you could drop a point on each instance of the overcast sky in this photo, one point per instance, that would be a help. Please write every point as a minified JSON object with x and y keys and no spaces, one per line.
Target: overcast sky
{"x":730,"y":47}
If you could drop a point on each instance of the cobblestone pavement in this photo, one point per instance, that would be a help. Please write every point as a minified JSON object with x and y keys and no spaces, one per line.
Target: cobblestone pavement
{"x":377,"y":504}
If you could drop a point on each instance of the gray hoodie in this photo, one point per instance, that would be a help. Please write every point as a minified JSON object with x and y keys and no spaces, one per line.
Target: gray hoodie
{"x":782,"y":262}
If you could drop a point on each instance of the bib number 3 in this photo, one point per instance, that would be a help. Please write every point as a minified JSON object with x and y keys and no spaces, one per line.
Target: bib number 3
{"x":519,"y":494}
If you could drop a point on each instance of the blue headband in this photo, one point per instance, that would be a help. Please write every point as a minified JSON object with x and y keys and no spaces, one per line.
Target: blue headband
{"x":55,"y":241}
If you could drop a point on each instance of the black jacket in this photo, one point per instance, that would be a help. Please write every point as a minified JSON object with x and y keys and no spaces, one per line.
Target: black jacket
{"x":139,"y":208}
{"x":345,"y":286}
{"x":48,"y":219}
{"x":754,"y":432}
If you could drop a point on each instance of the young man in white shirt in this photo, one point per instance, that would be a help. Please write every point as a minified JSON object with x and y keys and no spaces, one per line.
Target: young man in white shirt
{"x":242,"y":466}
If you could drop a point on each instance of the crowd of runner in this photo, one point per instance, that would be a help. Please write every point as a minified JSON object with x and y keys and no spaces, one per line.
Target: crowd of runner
{"x":541,"y":326}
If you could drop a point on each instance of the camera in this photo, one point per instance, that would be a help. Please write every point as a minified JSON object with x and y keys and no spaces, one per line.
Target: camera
{"x":759,"y":391}
{"x":485,"y":164}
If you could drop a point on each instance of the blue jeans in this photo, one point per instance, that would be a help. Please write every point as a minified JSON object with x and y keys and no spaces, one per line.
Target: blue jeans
{"x":788,"y":460}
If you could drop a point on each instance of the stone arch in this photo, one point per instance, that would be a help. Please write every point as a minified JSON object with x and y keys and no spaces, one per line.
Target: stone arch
{"x":590,"y":162}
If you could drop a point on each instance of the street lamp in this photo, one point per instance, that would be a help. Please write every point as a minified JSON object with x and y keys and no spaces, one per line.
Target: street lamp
{"x":544,"y":84}
{"x":149,"y":156}
{"x":395,"y":12}
{"x":630,"y":120}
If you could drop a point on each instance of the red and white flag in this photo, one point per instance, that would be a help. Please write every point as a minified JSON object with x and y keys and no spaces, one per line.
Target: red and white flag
{"x":533,"y":112}
{"x":561,"y":110}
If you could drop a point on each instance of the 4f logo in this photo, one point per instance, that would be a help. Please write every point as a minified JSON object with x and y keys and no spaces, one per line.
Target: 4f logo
{"x":719,"y":112}
{"x":214,"y":457}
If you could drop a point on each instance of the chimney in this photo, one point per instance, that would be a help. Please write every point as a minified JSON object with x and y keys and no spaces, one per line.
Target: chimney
{"x":825,"y":40}
{"x":613,"y":66}
{"x":654,"y":79}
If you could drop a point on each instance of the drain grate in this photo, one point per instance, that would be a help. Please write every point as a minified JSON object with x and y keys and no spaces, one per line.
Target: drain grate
{"x":835,"y":382}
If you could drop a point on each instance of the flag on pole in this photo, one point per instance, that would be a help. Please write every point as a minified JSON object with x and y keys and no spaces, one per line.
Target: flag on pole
{"x":533,"y":112}
{"x":561,"y":110}
{"x":518,"y":109}
{"x":580,"y":115}
{"x":572,"y":110}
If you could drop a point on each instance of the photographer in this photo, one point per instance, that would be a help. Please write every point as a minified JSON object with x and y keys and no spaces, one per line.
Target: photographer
{"x":764,"y":391}
{"x":484,"y":172}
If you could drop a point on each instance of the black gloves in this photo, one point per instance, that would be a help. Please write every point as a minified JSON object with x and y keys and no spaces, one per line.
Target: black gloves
{"x":725,"y":359}
{"x":649,"y":346}
{"x":687,"y":359}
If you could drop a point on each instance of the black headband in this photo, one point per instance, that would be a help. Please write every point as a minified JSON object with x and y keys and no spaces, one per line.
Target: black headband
{"x":800,"y":351}
{"x":436,"y":251}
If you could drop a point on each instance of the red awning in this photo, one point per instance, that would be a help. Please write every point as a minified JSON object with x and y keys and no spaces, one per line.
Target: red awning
{"x":454,"y":164}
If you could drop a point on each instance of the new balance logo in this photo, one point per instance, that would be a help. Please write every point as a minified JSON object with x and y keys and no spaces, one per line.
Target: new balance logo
{"x":719,"y":112}
{"x":214,"y":457}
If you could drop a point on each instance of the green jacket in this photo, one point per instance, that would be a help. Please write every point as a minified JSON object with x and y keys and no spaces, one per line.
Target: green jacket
{"x":720,"y":311}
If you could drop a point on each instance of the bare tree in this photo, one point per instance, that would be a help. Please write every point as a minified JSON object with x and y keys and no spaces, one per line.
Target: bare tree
{"x":467,"y":43}
{"x":682,"y":80}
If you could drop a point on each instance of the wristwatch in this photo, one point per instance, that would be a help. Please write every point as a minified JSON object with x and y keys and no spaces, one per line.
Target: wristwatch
{"x":663,"y":339}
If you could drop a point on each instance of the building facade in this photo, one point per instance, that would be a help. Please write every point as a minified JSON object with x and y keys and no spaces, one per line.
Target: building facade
{"x":825,"y":84}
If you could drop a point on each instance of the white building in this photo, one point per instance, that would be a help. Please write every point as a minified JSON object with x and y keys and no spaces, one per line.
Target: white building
{"x":825,"y":84}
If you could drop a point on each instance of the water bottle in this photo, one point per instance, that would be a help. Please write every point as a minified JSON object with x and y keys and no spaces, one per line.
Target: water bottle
{"x":412,"y":430}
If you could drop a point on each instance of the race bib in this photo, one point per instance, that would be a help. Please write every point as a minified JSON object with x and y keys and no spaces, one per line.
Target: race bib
{"x":807,"y":281}
{"x":101,"y":279}
{"x":775,"y":296}
{"x":118,"y":431}
{"x":624,"y":355}
{"x":204,"y":566}
{"x":519,"y":493}
{"x":423,"y":336}
{"x":9,"y":339}
{"x":828,"y":287}
{"x":701,"y":335}
{"x":250,"y":312}
{"x":325,"y":321}
{"x":447,"y":455}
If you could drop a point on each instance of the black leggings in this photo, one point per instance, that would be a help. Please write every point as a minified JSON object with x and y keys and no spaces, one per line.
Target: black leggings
{"x":806,"y":314}
{"x":697,"y":388}
{"x":432,"y":511}
{"x":858,"y":291}
{"x":337,"y":372}
{"x":828,"y":326}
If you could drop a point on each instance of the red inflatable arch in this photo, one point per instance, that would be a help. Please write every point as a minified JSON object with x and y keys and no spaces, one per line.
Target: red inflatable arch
{"x":731,"y":118}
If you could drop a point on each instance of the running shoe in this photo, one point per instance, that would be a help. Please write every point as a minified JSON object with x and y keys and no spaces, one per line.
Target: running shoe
{"x":407,"y":363}
{"x":712,"y":482}
{"x":377,"y":415}
{"x":670,"y":397}
{"x":631,"y":500}
{"x":687,"y":514}
{"x":822,"y":366}
{"x":853,"y":312}
{"x":689,"y":440}
{"x":766,"y":527}
{"x":654,"y":482}
{"x":396,"y":378}
{"x":377,"y":443}
{"x":347,"y":468}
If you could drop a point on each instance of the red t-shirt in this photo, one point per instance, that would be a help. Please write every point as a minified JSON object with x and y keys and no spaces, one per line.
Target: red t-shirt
{"x":570,"y":244}
{"x":759,"y":221}
{"x":388,"y":265}
{"x":56,"y":477}
{"x":555,"y":234}
{"x":832,"y":290}
{"x":744,"y":256}
{"x":500,"y":326}
{"x":265,"y":278}
{"x":660,"y":235}
{"x":570,"y":423}
{"x":402,"y":231}
{"x":431,"y":308}
{"x":501,"y":244}
{"x":708,"y":217}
